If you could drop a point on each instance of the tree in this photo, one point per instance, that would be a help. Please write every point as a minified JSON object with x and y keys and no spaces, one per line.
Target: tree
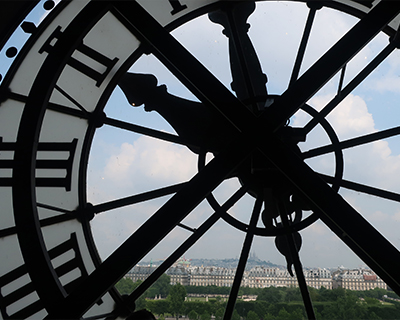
{"x":251,"y":315}
{"x":269,"y":316}
{"x":293,"y":294}
{"x":176,"y":299}
{"x":283,"y":314}
{"x":125,"y":286}
{"x":296,"y":315}
{"x":205,"y":316}
{"x":219,"y":314}
{"x":192,"y":315}
{"x":373,"y":316}
{"x":271,"y":295}
{"x":160,"y":287}
{"x":314,"y":295}
{"x":371,"y":301}
{"x":235,"y":315}
{"x":346,"y":307}
{"x":325,"y":294}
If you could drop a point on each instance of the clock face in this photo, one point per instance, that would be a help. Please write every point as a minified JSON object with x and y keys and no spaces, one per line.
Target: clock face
{"x":54,"y":99}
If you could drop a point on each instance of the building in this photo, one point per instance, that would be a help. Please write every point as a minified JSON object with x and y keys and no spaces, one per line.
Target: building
{"x":317,"y":278}
{"x":262,"y":277}
{"x":357,"y":279}
{"x":140,"y":272}
{"x":180,"y":275}
{"x":213,"y":276}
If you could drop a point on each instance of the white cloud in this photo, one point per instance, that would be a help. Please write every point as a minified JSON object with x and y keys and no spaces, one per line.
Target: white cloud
{"x":150,"y":161}
{"x":350,"y":118}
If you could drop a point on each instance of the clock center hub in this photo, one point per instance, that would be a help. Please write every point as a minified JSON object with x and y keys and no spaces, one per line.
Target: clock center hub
{"x":259,"y":173}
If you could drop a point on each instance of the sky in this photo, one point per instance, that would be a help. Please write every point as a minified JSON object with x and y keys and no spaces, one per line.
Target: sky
{"x":124,"y":163}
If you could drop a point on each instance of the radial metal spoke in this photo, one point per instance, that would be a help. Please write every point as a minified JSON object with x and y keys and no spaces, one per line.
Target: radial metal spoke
{"x":152,"y":231}
{"x":74,"y":101}
{"x":329,"y":64}
{"x":127,"y":201}
{"x":148,"y":132}
{"x":303,"y":43}
{"x":342,"y":94}
{"x":243,"y":259}
{"x":341,"y":80}
{"x":363,"y":188}
{"x":350,"y":143}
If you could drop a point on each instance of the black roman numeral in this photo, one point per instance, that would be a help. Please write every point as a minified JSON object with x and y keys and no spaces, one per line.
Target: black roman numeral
{"x":19,"y":277}
{"x":75,"y":263}
{"x":50,"y":164}
{"x":177,"y":6}
{"x":94,"y":55}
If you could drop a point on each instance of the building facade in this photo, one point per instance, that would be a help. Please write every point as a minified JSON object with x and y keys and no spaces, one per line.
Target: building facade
{"x":261,"y":277}
{"x":357,"y":279}
{"x":213,"y":276}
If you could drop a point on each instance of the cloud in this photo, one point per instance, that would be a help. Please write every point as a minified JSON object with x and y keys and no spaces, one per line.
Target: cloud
{"x":350,"y":118}
{"x":150,"y":162}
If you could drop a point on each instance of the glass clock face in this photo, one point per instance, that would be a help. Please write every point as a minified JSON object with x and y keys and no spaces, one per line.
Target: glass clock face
{"x":238,"y":138}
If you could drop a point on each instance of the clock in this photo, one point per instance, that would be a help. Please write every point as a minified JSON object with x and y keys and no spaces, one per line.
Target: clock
{"x":52,"y":103}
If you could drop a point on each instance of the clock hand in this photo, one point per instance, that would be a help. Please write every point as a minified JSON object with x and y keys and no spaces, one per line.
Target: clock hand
{"x":193,"y":121}
{"x":248,"y":79}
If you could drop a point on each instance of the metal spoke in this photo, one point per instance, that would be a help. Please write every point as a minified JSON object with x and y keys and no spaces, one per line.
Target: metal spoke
{"x":363,"y":188}
{"x":342,"y":74}
{"x":329,"y":64}
{"x":127,"y":201}
{"x":74,"y":101}
{"x":352,"y":85}
{"x":152,"y":232}
{"x":184,"y":226}
{"x":149,"y":132}
{"x":243,"y":258}
{"x":303,"y":43}
{"x":350,"y":143}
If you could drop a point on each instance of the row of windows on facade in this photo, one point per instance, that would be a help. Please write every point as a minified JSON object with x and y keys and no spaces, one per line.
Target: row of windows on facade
{"x":260,"y":277}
